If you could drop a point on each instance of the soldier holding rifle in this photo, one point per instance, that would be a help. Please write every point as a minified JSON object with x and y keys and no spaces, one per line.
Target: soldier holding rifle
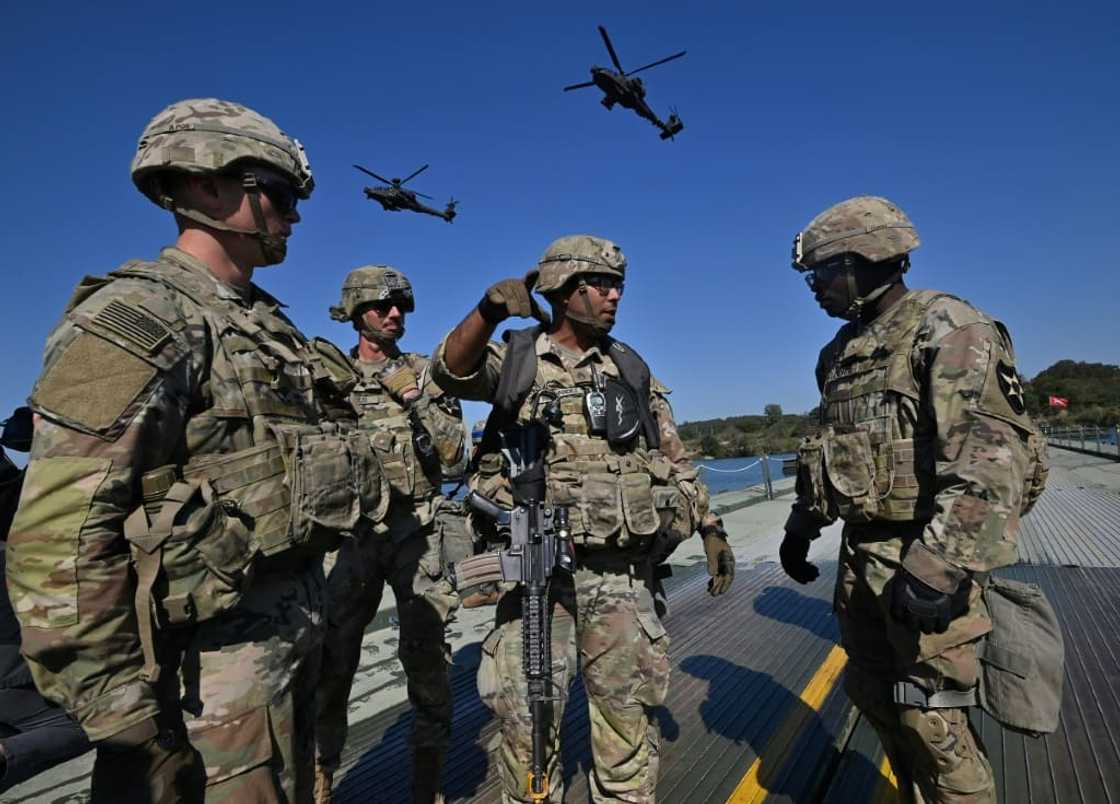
{"x":613,"y":461}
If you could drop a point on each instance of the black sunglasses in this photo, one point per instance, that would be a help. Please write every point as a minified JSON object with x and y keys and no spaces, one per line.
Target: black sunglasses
{"x":403,"y":303}
{"x":279,"y":192}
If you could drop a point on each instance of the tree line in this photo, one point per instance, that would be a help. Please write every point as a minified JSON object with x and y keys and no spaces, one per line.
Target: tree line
{"x":1092,"y":389}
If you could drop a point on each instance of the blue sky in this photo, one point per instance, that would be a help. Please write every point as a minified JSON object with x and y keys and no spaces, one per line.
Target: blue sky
{"x":993,"y":125}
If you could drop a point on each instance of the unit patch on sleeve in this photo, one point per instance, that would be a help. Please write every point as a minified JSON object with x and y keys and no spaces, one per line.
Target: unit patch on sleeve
{"x":1011,"y":386}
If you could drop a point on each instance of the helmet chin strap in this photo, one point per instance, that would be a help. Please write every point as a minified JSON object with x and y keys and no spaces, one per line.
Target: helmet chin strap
{"x":588,"y":317}
{"x":855,"y":309}
{"x":274,"y":248}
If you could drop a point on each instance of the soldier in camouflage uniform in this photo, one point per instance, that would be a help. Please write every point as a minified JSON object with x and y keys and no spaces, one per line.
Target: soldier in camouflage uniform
{"x":414,"y":427}
{"x":927,"y":454}
{"x":185,"y":481}
{"x":631,"y":493}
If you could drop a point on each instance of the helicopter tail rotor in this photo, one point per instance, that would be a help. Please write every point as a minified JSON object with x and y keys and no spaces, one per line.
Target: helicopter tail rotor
{"x":449,"y":213}
{"x":673,"y":125}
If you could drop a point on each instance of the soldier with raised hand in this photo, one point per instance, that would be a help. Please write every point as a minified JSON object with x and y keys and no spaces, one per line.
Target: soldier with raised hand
{"x":415,"y":429}
{"x":928,"y":455}
{"x":185,"y":481}
{"x":631,"y":495}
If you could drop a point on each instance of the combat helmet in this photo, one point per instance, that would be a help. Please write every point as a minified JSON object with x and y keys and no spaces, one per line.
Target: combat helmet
{"x":373,"y":283}
{"x":208,"y":135}
{"x":578,"y":254}
{"x":872,"y":227}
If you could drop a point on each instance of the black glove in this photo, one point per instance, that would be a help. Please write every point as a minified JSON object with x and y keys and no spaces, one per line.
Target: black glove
{"x":794,"y":554}
{"x":18,"y":430}
{"x":145,"y":763}
{"x":920,"y":607}
{"x":721,"y":562}
{"x":509,"y":297}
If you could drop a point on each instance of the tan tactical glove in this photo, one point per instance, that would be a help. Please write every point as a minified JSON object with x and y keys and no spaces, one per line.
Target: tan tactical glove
{"x":402,"y":383}
{"x":510,"y":297}
{"x":721,"y":561}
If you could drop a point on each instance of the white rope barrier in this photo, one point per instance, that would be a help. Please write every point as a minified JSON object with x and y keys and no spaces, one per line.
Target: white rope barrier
{"x":730,"y":471}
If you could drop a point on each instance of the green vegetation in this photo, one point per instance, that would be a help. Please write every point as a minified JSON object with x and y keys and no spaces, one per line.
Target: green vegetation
{"x":738,"y":436}
{"x":1093,"y":391}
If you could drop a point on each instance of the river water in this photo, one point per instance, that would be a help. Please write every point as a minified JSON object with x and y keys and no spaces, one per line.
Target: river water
{"x":733,"y":474}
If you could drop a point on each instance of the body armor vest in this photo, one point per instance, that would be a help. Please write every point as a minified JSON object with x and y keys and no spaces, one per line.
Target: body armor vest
{"x":875,"y":457}
{"x":282,"y":482}
{"x":611,"y":491}
{"x":878,"y":457}
{"x":395,"y":433}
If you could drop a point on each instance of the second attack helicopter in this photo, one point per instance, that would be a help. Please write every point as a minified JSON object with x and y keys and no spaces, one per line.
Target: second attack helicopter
{"x":629,"y":93}
{"x":394,"y":197}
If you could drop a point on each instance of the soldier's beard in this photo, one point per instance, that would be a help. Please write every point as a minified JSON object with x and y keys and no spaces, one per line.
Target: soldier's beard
{"x":274,"y":248}
{"x":592,"y":327}
{"x":586,"y":318}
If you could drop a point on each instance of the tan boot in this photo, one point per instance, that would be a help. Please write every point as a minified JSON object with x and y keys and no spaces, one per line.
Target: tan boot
{"x":324,"y":780}
{"x":427,"y":763}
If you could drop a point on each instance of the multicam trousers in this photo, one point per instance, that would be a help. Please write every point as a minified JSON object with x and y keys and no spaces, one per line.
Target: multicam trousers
{"x":604,"y":617}
{"x":935,"y":754}
{"x":248,"y":691}
{"x":412,"y":566}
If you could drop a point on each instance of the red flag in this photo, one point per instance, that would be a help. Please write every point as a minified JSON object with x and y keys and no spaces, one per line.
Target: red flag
{"x":1059,"y":402}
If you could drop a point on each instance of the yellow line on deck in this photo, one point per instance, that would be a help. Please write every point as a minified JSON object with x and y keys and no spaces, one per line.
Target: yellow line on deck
{"x":886,"y":791}
{"x":750,"y":790}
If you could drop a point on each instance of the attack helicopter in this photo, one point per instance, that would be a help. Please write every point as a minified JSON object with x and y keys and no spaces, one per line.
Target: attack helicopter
{"x":394,"y":197}
{"x":629,"y":93}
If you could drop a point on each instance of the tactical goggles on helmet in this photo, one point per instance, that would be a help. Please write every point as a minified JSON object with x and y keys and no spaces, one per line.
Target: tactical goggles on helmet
{"x":604,"y":283}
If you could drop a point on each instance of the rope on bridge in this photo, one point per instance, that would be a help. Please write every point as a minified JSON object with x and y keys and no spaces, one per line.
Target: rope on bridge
{"x":730,"y":471}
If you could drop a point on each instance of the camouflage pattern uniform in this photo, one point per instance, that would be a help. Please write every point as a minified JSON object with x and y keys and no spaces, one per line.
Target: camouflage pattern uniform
{"x":166,"y":560}
{"x":927,"y":454}
{"x":604,"y":621}
{"x":407,"y":551}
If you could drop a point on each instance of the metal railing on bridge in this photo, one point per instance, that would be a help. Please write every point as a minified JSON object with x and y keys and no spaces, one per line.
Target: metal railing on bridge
{"x":1093,"y":440}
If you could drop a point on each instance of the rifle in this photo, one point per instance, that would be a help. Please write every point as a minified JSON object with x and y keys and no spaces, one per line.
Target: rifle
{"x":539,"y":544}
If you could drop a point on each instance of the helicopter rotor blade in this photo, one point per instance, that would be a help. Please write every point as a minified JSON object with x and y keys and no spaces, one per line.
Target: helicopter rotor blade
{"x":420,"y":194}
{"x":414,"y":175}
{"x":369,"y":172}
{"x":580,"y":86}
{"x":610,"y":49}
{"x":661,"y":61}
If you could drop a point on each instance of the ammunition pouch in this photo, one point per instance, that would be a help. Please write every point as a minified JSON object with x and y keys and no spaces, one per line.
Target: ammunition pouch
{"x":609,"y":497}
{"x":812,"y":480}
{"x":334,"y":479}
{"x":1022,"y":660}
{"x":407,"y":456}
{"x":849,"y":475}
{"x":194,"y":561}
{"x":195,"y":540}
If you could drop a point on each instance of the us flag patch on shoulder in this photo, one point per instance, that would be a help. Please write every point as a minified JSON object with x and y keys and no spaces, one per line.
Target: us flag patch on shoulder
{"x":133,"y":325}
